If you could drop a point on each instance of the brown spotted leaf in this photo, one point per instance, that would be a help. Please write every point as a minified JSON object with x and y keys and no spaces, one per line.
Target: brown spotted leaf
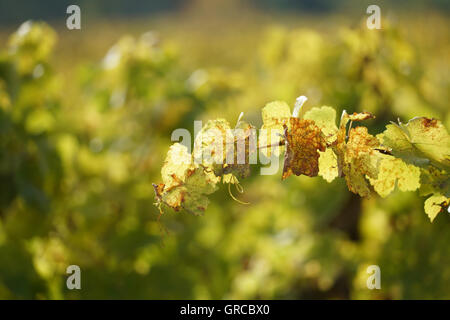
{"x":186,"y":184}
{"x":419,"y":142}
{"x":360,"y":116}
{"x":244,"y":147}
{"x":341,"y":136}
{"x":357,"y":156}
{"x":395,"y":172}
{"x":360,"y":160}
{"x":303,"y":141}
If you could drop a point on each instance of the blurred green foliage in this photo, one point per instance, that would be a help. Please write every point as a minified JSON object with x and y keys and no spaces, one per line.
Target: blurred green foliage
{"x":76,"y":169}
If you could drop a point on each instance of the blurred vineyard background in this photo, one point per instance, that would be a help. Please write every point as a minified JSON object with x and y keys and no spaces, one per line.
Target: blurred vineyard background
{"x":86,"y":120}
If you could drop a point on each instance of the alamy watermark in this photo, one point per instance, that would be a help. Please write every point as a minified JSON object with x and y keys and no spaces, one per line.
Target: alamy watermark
{"x":374,"y":280}
{"x":374,"y":20}
{"x":74,"y":280}
{"x":74,"y":20}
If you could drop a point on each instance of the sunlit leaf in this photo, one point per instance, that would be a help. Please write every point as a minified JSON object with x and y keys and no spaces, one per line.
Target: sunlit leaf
{"x":325,"y":119}
{"x":392,"y":172}
{"x":274,"y":115}
{"x":360,"y":160}
{"x":186,"y":184}
{"x":420,"y":141}
{"x":213,"y":143}
{"x":175,"y":167}
{"x":244,"y":147}
{"x":436,"y":204}
{"x":303,"y":141}
{"x":328,"y":168}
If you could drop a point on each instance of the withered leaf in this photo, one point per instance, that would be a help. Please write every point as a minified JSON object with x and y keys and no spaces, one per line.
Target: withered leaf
{"x":244,"y":146}
{"x":325,"y":119}
{"x":303,"y":140}
{"x":356,"y":157}
{"x":360,"y":160}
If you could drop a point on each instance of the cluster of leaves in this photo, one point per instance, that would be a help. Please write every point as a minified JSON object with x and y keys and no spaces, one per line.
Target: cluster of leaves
{"x":410,"y":156}
{"x":189,"y":178}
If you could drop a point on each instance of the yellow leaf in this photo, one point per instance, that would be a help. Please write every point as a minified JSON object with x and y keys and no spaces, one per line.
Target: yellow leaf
{"x":274,"y":115}
{"x":325,"y":119}
{"x":360,"y":159}
{"x":435,"y":204}
{"x":328,"y":168}
{"x":394,"y":171}
{"x":357,"y":157}
{"x":213,"y":143}
{"x":177,"y":162}
{"x":418,"y":142}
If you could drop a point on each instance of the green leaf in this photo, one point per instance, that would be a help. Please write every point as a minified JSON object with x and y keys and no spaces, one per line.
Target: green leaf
{"x":420,"y":141}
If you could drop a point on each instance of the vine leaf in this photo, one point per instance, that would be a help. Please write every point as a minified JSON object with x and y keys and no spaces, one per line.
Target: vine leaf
{"x":357,"y":157}
{"x":325,"y":119}
{"x":328,"y":168}
{"x":420,"y":141}
{"x":436,"y":204}
{"x":175,"y":166}
{"x":186,"y":184}
{"x":198,"y":185}
{"x":435,"y":181}
{"x":212,"y":144}
{"x":303,"y":140}
{"x":339,"y":146}
{"x":393,"y":171}
{"x":275,"y":114}
{"x":244,"y":146}
{"x":360,"y":160}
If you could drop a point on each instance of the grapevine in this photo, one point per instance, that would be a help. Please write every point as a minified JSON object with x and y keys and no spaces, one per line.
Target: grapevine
{"x":411,"y":156}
